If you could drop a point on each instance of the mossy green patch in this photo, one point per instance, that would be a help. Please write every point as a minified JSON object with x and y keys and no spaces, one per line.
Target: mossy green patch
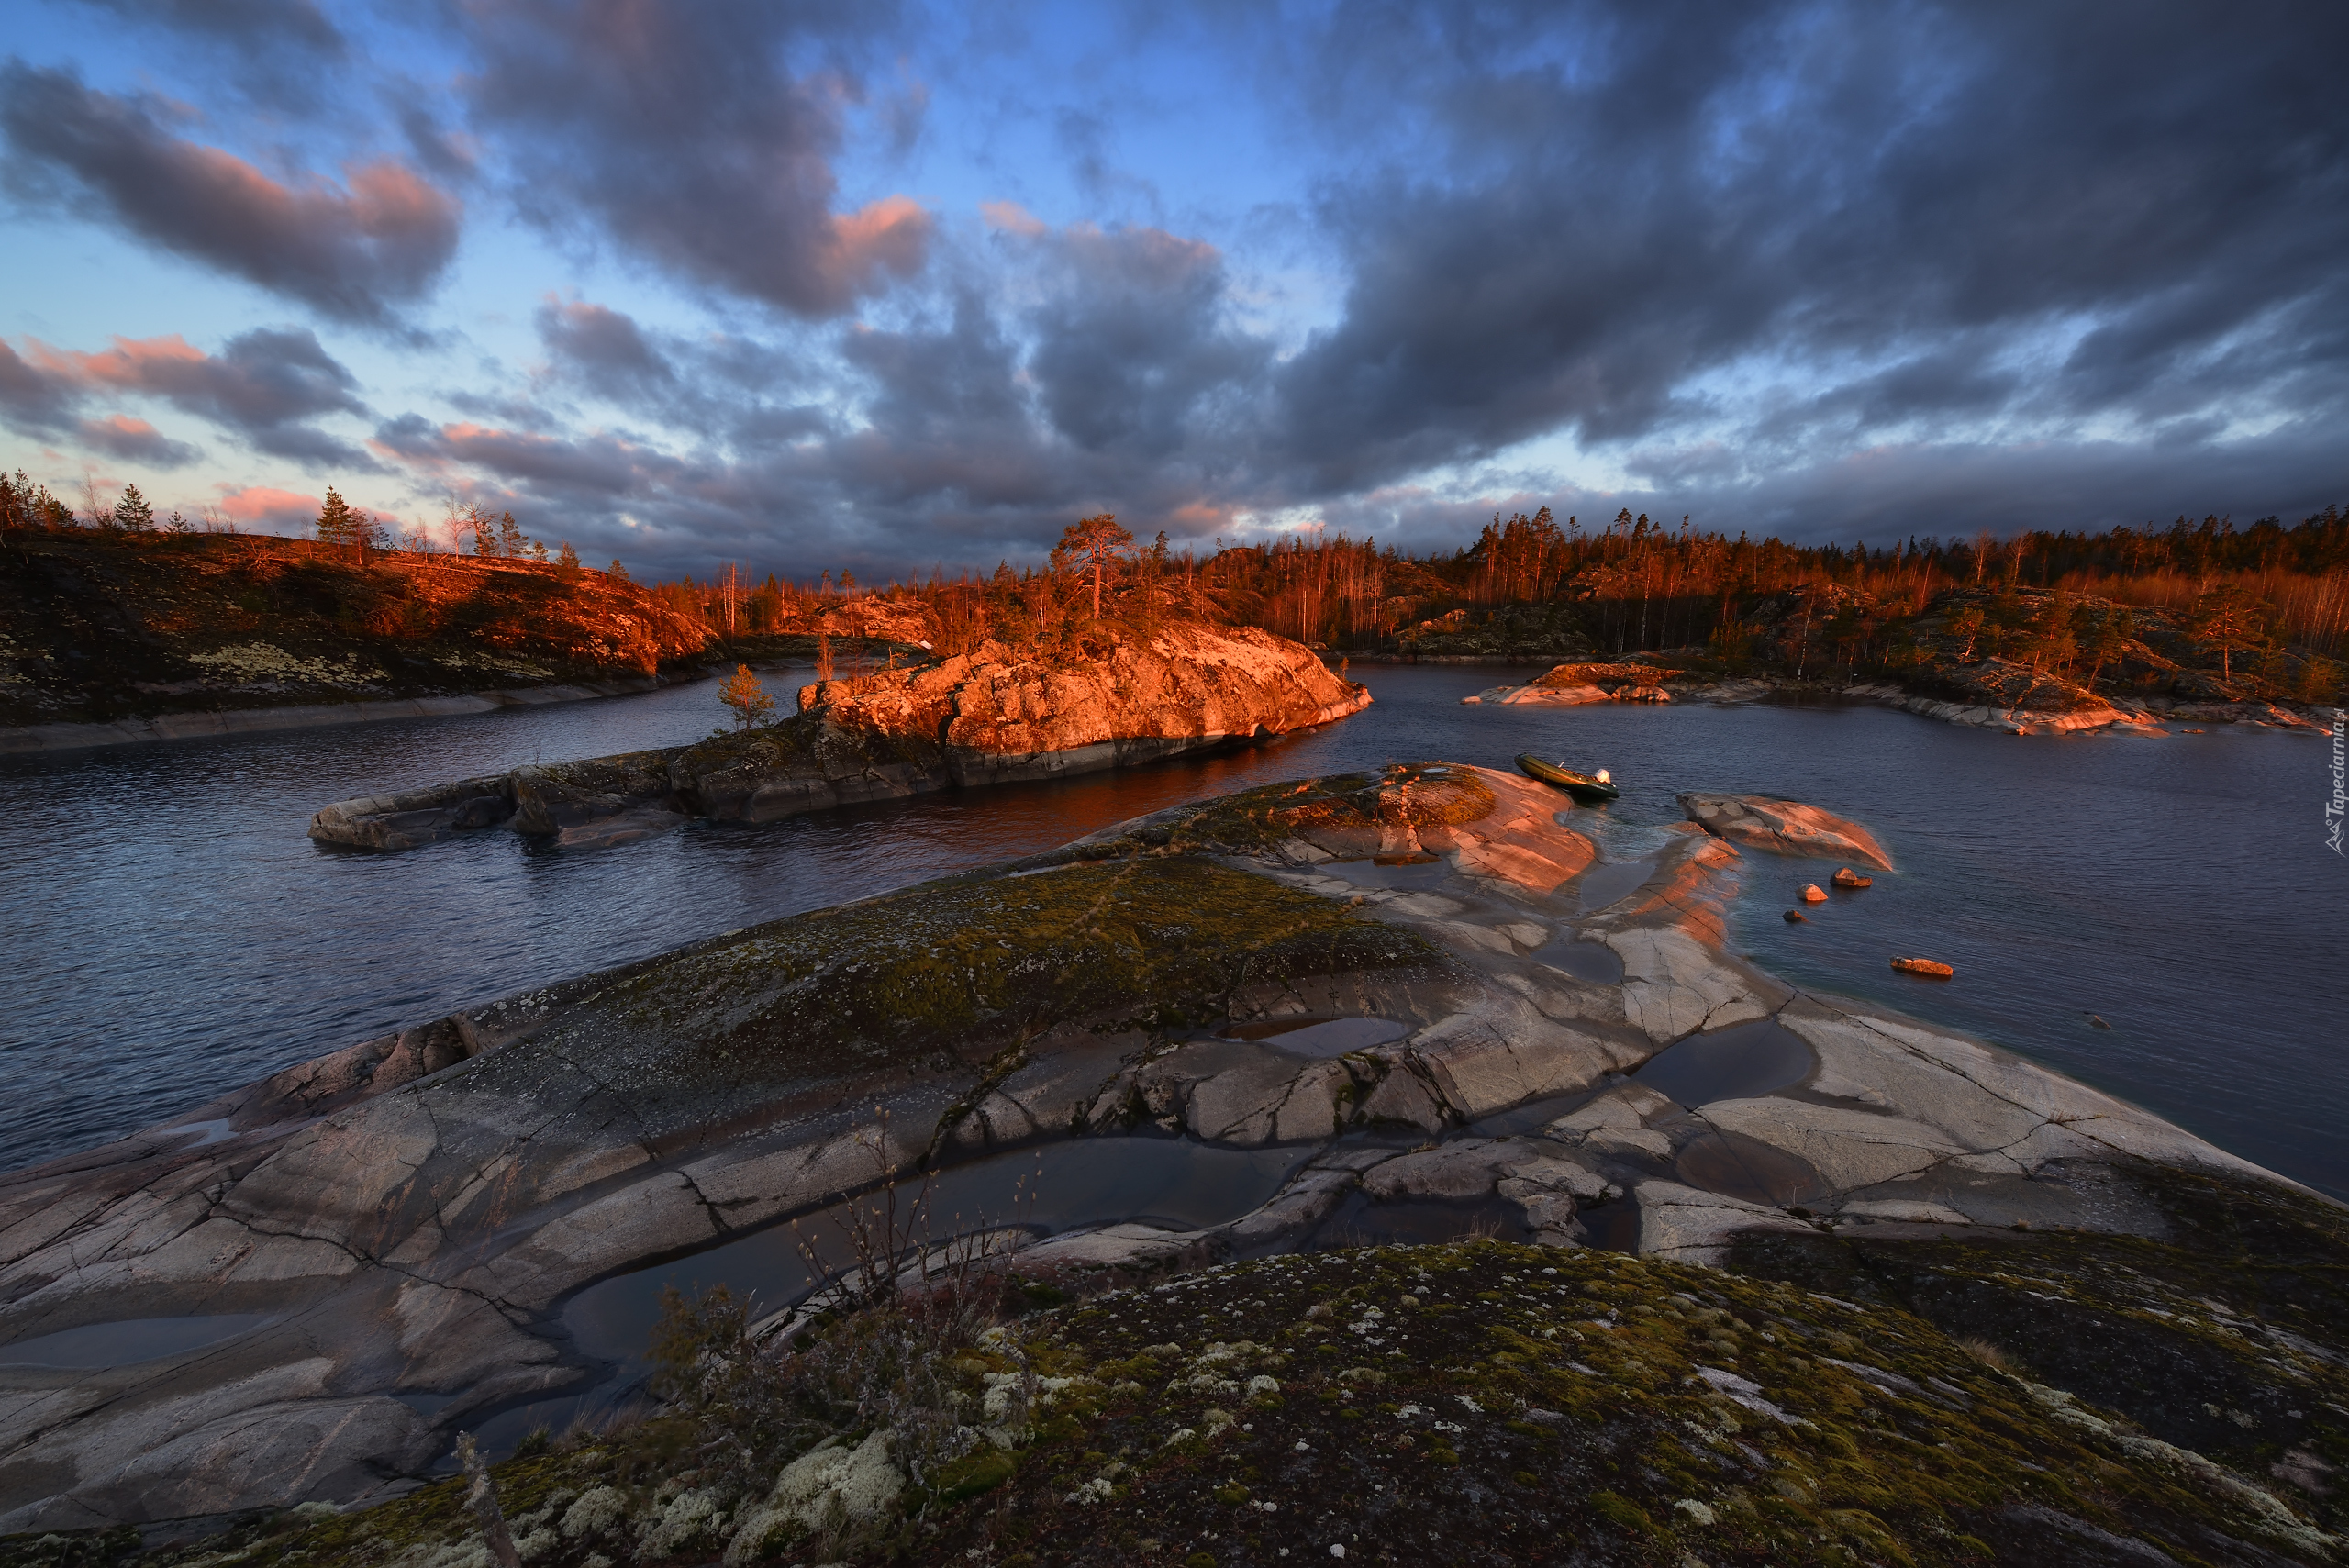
{"x":973,"y":1474}
{"x":2229,"y":1338}
{"x":962,"y":970}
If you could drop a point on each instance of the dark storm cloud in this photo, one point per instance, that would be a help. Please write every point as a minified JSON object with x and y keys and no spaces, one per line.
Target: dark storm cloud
{"x":136,"y":440}
{"x":1816,"y":269}
{"x":1956,"y":488}
{"x":1825,"y":191}
{"x":33,"y":396}
{"x":976,"y":434}
{"x":604,"y":347}
{"x":1134,"y":342}
{"x":723,"y":387}
{"x":1828,"y":270}
{"x":274,"y":51}
{"x":265,"y":386}
{"x":686,"y":134}
{"x":1122,"y":386}
{"x":354,"y":251}
{"x":42,"y":398}
{"x":248,"y":24}
{"x":436,"y":146}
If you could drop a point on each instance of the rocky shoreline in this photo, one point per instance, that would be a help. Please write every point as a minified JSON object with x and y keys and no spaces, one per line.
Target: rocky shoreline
{"x":308,"y":716}
{"x":115,"y":639}
{"x":1990,"y":695}
{"x":1424,"y":985}
{"x":992,"y":716}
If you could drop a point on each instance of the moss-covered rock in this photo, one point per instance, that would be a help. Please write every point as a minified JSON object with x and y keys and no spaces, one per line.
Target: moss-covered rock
{"x":970,"y":967}
{"x":1472,"y":1404}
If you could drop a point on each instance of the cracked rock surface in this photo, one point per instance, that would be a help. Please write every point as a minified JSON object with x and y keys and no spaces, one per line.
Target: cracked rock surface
{"x":1383,"y":973}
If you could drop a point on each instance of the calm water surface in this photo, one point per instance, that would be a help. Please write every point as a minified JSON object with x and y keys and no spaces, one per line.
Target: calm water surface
{"x":170,"y":933}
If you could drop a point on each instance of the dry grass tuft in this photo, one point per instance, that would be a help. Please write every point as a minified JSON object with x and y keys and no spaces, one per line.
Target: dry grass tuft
{"x":1985,"y":1352}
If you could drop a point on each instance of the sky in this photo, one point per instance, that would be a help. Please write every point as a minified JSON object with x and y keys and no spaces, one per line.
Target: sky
{"x":811,"y":285}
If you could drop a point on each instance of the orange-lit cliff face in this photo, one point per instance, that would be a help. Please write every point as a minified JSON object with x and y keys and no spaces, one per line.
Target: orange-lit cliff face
{"x":103,"y":628}
{"x":1113,"y":697}
{"x":1184,"y":683}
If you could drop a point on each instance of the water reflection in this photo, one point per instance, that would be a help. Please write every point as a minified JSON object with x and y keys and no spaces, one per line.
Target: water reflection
{"x":1172,"y":1182}
{"x":173,"y":934}
{"x":129,"y":1342}
{"x":1734,"y":1063}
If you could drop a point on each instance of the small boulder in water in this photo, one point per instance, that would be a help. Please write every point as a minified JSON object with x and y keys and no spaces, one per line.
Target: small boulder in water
{"x":1812,"y":894}
{"x":1847,"y":877}
{"x":1923,"y":966}
{"x":1796,"y":917}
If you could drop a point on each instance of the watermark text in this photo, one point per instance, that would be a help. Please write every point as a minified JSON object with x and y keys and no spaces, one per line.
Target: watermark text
{"x":2336,"y":808}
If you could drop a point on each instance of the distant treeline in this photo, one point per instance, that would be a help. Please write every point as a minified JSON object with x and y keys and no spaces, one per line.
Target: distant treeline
{"x":1628,"y":585}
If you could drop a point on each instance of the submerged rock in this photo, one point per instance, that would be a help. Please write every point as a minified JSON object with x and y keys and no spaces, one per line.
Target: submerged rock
{"x":996,"y":715}
{"x":1923,"y":966}
{"x":1847,"y":877}
{"x":1782,"y":827}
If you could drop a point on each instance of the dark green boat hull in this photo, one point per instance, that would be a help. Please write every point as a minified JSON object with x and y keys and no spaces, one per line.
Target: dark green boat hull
{"x":1589,"y":791}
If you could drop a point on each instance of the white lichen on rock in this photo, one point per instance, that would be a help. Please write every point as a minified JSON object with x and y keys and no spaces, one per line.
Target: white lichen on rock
{"x":829,"y":1488}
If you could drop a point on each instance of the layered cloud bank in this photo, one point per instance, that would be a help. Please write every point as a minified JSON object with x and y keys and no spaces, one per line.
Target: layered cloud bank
{"x":893,"y":287}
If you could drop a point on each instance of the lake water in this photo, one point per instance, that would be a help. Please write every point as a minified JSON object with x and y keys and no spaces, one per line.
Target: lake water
{"x":170,"y":933}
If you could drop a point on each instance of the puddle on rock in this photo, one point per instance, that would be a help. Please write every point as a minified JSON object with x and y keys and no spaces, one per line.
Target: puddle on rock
{"x":1737,"y":1166}
{"x":1734,"y":1063}
{"x":96,"y":1346}
{"x":1612,"y":882}
{"x":1322,"y":1036}
{"x":1409,"y":877}
{"x":1594,"y":962}
{"x":1082,"y":1182}
{"x":1611,"y":1227}
{"x":1046,"y":1189}
{"x":202,"y":1134}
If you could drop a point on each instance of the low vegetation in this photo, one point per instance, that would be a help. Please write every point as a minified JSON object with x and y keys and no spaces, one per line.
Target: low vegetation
{"x":102,"y":627}
{"x":1472,"y":1403}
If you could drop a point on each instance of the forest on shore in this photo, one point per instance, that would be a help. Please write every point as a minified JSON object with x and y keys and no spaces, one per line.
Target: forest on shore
{"x":2264,"y":606}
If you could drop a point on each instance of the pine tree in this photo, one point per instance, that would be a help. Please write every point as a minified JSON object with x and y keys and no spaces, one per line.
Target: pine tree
{"x":1092,"y":544}
{"x":337,"y":524}
{"x":511,"y":540}
{"x":568,"y":563}
{"x":132,"y":513}
{"x":2227,"y":622}
{"x":2111,"y":642}
{"x":742,"y":692}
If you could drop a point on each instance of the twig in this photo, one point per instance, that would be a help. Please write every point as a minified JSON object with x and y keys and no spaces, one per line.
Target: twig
{"x":481,"y":1495}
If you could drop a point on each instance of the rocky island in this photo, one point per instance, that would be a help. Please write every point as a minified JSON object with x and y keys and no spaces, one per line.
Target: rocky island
{"x":214,"y":634}
{"x":1117,"y":696}
{"x":2147,"y":671}
{"x":1577,"y":1237}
